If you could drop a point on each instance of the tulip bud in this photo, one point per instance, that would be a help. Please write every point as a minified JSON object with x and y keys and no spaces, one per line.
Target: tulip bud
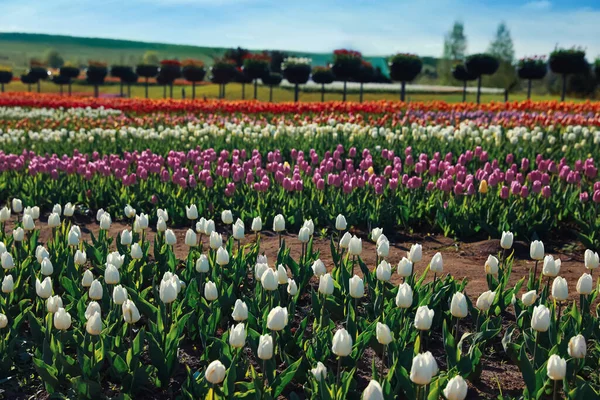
{"x":456,"y":389}
{"x":62,"y":319}
{"x":424,"y":318}
{"x":592,"y":261}
{"x":458,"y":305}
{"x":227,"y":217}
{"x":319,"y":268}
{"x":384,"y":271}
{"x":201,"y":226}
{"x":140,"y":223}
{"x":88,"y":278}
{"x":536,"y":250}
{"x":485,"y":300}
{"x":191,"y":239}
{"x":210,"y":291}
{"x":577,"y":347}
{"x":93,"y":325}
{"x":215,"y":372}
{"x":383,"y":248}
{"x":126,"y":237}
{"x":529,"y":298}
{"x":404,"y":297}
{"x":202,"y":265}
{"x":342,"y":343}
{"x":209,"y":227}
{"x":345,"y":240}
{"x":119,"y":295}
{"x":215,"y":240}
{"x":326,"y":285}
{"x":585,"y":284}
{"x":129,"y":211}
{"x":240,"y":311}
{"x":17,"y":205}
{"x":310,"y":225}
{"x":277,"y":319}
{"x":222,"y":256}
{"x":4,"y":214}
{"x":491,"y":265}
{"x":53,"y":303}
{"x":18,"y":234}
{"x":168,"y":290}
{"x":163,"y":214}
{"x":238,"y":230}
{"x":95,"y":292}
{"x":304,"y":235}
{"x":161,"y":225}
{"x":355,"y":246}
{"x":3,"y":321}
{"x":292,"y":287}
{"x":41,"y":253}
{"x":69,"y":210}
{"x":506,"y":241}
{"x":105,"y":221}
{"x":560,"y":290}
{"x":282,"y":277}
{"x":43,"y":288}
{"x":8,"y":284}
{"x":7,"y":261}
{"x":191,"y":212}
{"x":375,"y":233}
{"x":265,"y":347}
{"x":550,"y":268}
{"x":424,"y":368}
{"x":340,"y":223}
{"x":115,"y":259}
{"x":373,"y":391}
{"x":384,"y":335}
{"x":269,"y":280}
{"x":256,"y":224}
{"x":279,"y":223}
{"x":237,"y":336}
{"x":111,"y":275}
{"x":53,"y":220}
{"x":131,"y":314}
{"x":437,"y":263}
{"x":319,"y":372}
{"x":80,"y":258}
{"x":483,"y":186}
{"x":136,"y":251}
{"x":416,"y":253}
{"x":357,"y":287}
{"x":405,"y":267}
{"x":556,"y":368}
{"x":540,"y":320}
{"x":28,"y":223}
{"x":99,"y":214}
{"x":91,"y":309}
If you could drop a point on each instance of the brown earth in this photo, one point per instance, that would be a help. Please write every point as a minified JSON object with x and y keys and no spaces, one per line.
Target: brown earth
{"x":462,"y":260}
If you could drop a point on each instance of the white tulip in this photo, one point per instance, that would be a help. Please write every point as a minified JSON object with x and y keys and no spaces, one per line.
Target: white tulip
{"x":115,"y":259}
{"x":540,"y":320}
{"x":80,"y":258}
{"x":304,"y":235}
{"x":277,"y":319}
{"x":238,"y":230}
{"x":383,"y":248}
{"x":136,"y":251}
{"x":191,"y":212}
{"x":456,"y":388}
{"x":342,"y":343}
{"x":168,"y":290}
{"x":69,"y":210}
{"x":256,"y":224}
{"x":8,"y":284}
{"x":210,"y":291}
{"x":240,"y":311}
{"x":131,"y":314}
{"x":91,"y":309}
{"x":357,"y":287}
{"x":458,"y":305}
{"x":269,"y":280}
{"x":373,"y":391}
{"x":62,"y":319}
{"x":140,"y":223}
{"x":129,"y":211}
{"x":536,"y":250}
{"x":162,"y":213}
{"x":292,"y":287}
{"x":18,"y":234}
{"x":404,"y":297}
{"x":405,"y":267}
{"x":3,"y":321}
{"x":340,"y":223}
{"x":550,"y":269}
{"x":319,"y":372}
{"x":560,"y":289}
{"x":53,"y":303}
{"x":424,"y":368}
{"x":222,"y":256}
{"x":237,"y":336}
{"x":215,"y":372}
{"x":310,"y":225}
{"x":491,"y":265}
{"x":319,"y":268}
{"x":126,"y":237}
{"x":437,"y":263}
{"x":416,"y":253}
{"x":53,"y":220}
{"x":202,"y":265}
{"x":88,"y":278}
{"x":529,"y":298}
{"x":506,"y":241}
{"x":209,"y":227}
{"x":7,"y":260}
{"x":375,"y":233}
{"x":345,"y":240}
{"x":326,"y":285}
{"x":282,"y":277}
{"x":119,"y":295}
{"x":577,"y":347}
{"x":485,"y":300}
{"x":4,"y":214}
{"x":28,"y":223}
{"x":556,"y":368}
{"x":585,"y":284}
{"x":93,"y":325}
{"x":105,"y":221}
{"x":383,"y":333}
{"x":279,"y":223}
{"x":191,"y":238}
{"x":215,"y":240}
{"x":592,"y":261}
{"x":355,"y":246}
{"x":95,"y":292}
{"x":227,"y":217}
{"x":17,"y":205}
{"x":161,"y":225}
{"x":44,"y":288}
{"x":384,"y":271}
{"x":424,"y":318}
{"x":265,"y":347}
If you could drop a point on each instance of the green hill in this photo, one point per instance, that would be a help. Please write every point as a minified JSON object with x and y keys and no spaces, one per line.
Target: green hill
{"x":16,"y":49}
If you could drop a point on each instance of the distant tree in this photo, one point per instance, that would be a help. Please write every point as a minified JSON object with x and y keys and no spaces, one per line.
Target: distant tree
{"x":96,"y":74}
{"x":455,"y":49}
{"x":404,"y":68}
{"x":296,"y":70}
{"x":69,"y":72}
{"x":146,"y":71}
{"x":365,"y":75}
{"x":119,"y":71}
{"x":502,"y":46}
{"x":530,"y":69}
{"x":162,"y":80}
{"x":256,"y":66}
{"x":272,"y":79}
{"x":38,"y":70}
{"x":169,"y":71}
{"x":29,"y":80}
{"x":566,"y":62}
{"x":460,"y":73}
{"x":237,"y":55}
{"x":597,"y":70}
{"x":6,"y":76}
{"x":193,"y":71}
{"x":53,"y":59}
{"x":277,"y":58}
{"x":241,"y":77}
{"x":151,"y":58}
{"x":324,"y":76}
{"x":481,"y":64}
{"x":129,"y":78}
{"x":60,"y":80}
{"x":223,"y":71}
{"x":346,"y":65}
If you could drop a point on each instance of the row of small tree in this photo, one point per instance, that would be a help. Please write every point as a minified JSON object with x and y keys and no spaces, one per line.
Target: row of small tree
{"x":347,"y":66}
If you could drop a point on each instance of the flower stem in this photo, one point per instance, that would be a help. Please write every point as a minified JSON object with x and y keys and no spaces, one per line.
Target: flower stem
{"x":339,"y":368}
{"x":535,"y":346}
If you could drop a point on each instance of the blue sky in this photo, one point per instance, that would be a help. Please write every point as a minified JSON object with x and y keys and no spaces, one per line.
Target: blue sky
{"x":375,"y":27}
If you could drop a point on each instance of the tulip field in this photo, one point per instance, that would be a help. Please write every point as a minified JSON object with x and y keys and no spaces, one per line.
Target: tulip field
{"x":173,"y":249}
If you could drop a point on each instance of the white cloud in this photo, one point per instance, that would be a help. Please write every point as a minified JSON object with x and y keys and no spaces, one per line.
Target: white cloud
{"x":537,"y":5}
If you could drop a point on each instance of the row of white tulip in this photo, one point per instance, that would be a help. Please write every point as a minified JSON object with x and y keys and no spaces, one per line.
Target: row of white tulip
{"x":56,"y":113}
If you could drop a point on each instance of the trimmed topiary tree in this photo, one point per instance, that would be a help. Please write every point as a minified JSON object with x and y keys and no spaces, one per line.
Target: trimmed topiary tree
{"x":460,"y":73}
{"x":597,"y":70}
{"x":6,"y":76}
{"x":241,"y":77}
{"x":69,"y":72}
{"x":29,"y":80}
{"x":193,"y":71}
{"x":404,"y":68}
{"x":324,"y":76}
{"x":346,"y":65}
{"x":256,"y":66}
{"x":481,"y":64}
{"x":169,"y":71}
{"x":296,"y":70}
{"x":96,"y":73}
{"x":129,"y":78}
{"x":119,"y":71}
{"x":222,"y":72}
{"x":272,"y":79}
{"x":532,"y":68}
{"x":566,"y":62}
{"x":365,"y":75}
{"x":39,"y":71}
{"x":146,"y":71}
{"x":61,"y":81}
{"x":161,"y":80}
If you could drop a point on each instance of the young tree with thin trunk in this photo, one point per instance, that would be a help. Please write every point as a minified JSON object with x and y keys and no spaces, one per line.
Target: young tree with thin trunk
{"x":96,"y":73}
{"x":256,"y":66}
{"x":530,"y":69}
{"x":296,"y":70}
{"x":222,"y":72}
{"x":193,"y":71}
{"x":69,"y":72}
{"x":346,"y":65}
{"x":566,"y":62}
{"x":147,"y":71}
{"x":6,"y":76}
{"x":404,"y":68}
{"x":460,"y":73}
{"x":323,"y":76}
{"x":481,"y":64}
{"x":272,"y":79}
